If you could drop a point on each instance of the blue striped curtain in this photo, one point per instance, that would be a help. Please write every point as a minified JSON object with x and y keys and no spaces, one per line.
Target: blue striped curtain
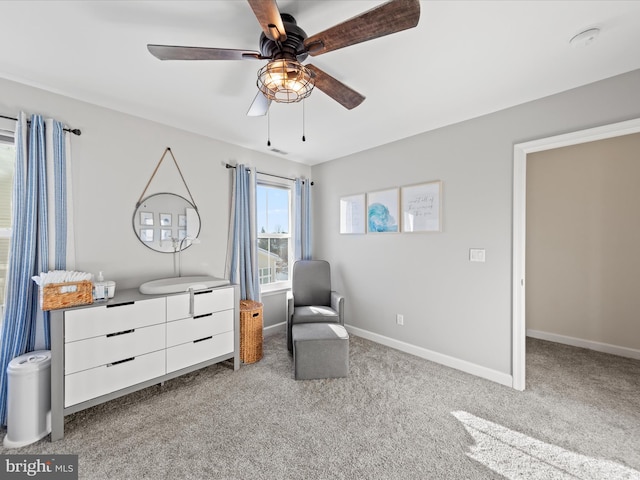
{"x":39,"y":208}
{"x":302,"y":220}
{"x":244,"y":237}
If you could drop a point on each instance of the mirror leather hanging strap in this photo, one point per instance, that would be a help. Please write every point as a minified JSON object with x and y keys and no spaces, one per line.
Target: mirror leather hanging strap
{"x":168,"y":149}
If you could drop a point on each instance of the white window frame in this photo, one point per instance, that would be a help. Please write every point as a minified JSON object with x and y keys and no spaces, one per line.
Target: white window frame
{"x":269,"y":181}
{"x":7,"y":131}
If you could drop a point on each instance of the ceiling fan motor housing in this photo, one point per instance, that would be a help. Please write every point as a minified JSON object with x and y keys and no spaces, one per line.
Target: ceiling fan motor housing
{"x":292,"y":48}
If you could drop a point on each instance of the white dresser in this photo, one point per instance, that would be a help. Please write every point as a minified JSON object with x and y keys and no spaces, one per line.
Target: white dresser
{"x":103,"y":351}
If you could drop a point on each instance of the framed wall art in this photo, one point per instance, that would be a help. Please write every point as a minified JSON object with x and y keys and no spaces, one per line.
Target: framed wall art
{"x":352,"y":214}
{"x":422,"y":207}
{"x":146,"y":218}
{"x":146,"y":234}
{"x":165,"y":219}
{"x":382,"y":211}
{"x":165,"y":234}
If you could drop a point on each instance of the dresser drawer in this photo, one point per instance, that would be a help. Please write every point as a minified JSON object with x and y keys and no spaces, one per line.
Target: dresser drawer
{"x":189,"y":329}
{"x":208,"y":301}
{"x":88,"y":384}
{"x":191,"y":353}
{"x":178,"y":306}
{"x":96,"y":351}
{"x":97,"y":321}
{"x":205,"y":301}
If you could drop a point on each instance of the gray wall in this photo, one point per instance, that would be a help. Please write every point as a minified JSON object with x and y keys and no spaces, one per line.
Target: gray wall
{"x":112,"y":161}
{"x":582,"y":236}
{"x":452,"y":308}
{"x":275,"y":311}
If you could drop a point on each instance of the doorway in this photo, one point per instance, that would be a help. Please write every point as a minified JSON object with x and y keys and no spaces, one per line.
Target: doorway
{"x":519,"y":227}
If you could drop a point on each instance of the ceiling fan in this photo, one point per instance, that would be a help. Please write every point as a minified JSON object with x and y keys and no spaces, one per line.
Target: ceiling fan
{"x":284,"y":79}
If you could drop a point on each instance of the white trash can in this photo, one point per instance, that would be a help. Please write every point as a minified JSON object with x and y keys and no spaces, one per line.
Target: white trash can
{"x":28,"y":398}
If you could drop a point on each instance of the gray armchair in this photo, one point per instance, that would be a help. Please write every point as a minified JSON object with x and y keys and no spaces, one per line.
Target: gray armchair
{"x":312,"y":300}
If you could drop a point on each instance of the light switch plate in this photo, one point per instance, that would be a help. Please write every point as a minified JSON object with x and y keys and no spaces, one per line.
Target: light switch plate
{"x":476,"y":255}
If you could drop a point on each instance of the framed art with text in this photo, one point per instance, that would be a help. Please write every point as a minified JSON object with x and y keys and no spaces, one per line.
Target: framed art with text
{"x":422,"y":207}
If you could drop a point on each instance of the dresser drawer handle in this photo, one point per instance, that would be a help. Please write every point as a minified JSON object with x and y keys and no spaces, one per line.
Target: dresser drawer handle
{"x":124,"y":332}
{"x":203,"y":339}
{"x":121,"y":361}
{"x":120,"y":304}
{"x":203,"y":315}
{"x":202,"y":292}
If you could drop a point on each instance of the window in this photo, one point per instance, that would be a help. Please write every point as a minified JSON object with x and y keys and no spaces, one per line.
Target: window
{"x":7,"y":165}
{"x":275,"y":251}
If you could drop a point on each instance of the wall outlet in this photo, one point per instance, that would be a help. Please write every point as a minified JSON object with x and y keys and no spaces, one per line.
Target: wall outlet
{"x":399,"y":319}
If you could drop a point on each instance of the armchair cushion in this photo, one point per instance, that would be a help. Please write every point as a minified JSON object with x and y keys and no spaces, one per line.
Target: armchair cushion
{"x":313,"y":313}
{"x":312,"y":283}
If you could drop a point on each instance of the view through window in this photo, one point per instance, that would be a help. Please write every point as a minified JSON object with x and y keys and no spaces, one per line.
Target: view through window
{"x":274,"y":233}
{"x":7,"y":164}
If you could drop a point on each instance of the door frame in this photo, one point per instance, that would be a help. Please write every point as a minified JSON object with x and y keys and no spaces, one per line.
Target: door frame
{"x":520,"y":152}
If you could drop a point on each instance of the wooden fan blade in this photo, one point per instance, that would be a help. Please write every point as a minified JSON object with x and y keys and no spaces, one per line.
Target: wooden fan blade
{"x":172,"y":52}
{"x":390,"y":17}
{"x":345,"y":96}
{"x":260,"y":106}
{"x":268,"y":15}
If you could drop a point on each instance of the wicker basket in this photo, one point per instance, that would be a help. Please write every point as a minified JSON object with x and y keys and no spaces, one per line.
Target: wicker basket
{"x":250,"y":331}
{"x":63,"y":295}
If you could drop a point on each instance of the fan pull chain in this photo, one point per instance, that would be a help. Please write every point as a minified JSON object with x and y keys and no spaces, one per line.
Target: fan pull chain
{"x":303,"y":128}
{"x":268,"y":129}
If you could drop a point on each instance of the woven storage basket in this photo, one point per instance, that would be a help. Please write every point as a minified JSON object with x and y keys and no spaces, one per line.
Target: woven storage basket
{"x":63,"y":295}
{"x":250,"y":331}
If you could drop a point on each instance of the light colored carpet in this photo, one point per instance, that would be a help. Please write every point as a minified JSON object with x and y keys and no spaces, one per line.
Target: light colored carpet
{"x":396,"y":417}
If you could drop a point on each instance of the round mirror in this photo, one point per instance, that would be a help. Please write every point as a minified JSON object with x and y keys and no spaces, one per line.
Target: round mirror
{"x":166,"y":222}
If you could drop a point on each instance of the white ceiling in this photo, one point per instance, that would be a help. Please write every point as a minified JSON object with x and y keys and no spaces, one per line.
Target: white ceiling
{"x":464,"y":59}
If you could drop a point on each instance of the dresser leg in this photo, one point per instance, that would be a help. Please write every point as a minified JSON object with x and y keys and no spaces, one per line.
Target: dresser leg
{"x":57,"y":376}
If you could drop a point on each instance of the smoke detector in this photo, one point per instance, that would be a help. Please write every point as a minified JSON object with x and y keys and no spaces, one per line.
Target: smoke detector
{"x":584,"y":38}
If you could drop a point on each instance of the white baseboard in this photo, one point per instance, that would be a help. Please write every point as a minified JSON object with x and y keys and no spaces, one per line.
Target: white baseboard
{"x":590,"y":344}
{"x":463,"y":365}
{"x":273,"y":329}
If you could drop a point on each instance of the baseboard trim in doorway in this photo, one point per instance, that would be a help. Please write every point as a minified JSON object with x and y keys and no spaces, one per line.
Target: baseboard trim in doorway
{"x":590,"y":344}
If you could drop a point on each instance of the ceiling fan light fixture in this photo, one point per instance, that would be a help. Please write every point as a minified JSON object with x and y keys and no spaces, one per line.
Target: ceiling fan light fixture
{"x":285,"y":81}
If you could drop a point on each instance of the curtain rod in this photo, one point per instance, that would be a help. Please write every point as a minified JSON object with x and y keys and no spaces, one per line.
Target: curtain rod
{"x":270,"y":174}
{"x":75,"y":131}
